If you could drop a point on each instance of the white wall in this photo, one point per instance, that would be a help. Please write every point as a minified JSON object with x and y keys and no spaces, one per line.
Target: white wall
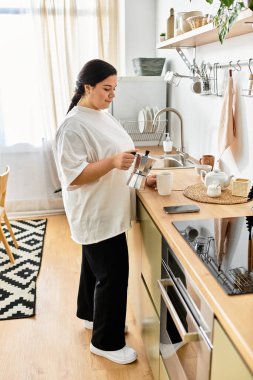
{"x":140,"y":31}
{"x":201,"y":113}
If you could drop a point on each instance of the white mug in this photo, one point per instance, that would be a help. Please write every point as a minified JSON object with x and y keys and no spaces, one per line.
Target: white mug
{"x":164,"y":182}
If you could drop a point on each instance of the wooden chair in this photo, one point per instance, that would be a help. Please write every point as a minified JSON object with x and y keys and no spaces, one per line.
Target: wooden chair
{"x":3,"y":216}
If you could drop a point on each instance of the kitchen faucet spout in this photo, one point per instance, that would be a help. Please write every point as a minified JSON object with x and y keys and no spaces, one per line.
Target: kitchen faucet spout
{"x":170,"y":109}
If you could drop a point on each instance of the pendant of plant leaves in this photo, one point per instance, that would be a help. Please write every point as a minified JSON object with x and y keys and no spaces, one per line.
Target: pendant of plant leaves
{"x":227,"y":15}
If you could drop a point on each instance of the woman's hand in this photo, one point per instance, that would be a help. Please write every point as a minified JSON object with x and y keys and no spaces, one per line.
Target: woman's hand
{"x":151,"y":181}
{"x":93,"y":171}
{"x":124,"y":160}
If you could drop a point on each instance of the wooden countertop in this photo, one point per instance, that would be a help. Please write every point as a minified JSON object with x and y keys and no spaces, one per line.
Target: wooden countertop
{"x":235,"y":313}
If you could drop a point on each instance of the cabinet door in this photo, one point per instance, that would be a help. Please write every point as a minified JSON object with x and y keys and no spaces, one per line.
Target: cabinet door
{"x":151,"y":254}
{"x":163,"y":373}
{"x":150,"y":331}
{"x":134,"y":283}
{"x":227,"y":364}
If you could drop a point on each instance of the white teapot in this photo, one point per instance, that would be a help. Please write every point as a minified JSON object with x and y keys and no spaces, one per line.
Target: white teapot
{"x":216,"y":177}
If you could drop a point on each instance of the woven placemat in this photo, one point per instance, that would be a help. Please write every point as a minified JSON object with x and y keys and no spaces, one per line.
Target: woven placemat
{"x":198,"y":193}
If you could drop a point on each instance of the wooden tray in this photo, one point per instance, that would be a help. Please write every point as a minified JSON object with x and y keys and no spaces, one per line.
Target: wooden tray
{"x":198,"y":193}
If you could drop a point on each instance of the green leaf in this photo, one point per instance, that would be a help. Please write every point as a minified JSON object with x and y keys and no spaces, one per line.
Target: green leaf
{"x":250,"y":4}
{"x":226,"y":17}
{"x":228,"y":3}
{"x":209,"y":1}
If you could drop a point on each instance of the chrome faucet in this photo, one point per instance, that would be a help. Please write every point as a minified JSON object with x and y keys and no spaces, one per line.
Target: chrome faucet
{"x":169,"y":109}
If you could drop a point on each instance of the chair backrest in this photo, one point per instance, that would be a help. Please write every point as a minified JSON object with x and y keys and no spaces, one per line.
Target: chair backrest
{"x":3,"y":185}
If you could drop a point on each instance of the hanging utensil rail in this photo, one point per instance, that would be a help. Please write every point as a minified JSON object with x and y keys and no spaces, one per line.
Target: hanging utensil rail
{"x":236,"y":66}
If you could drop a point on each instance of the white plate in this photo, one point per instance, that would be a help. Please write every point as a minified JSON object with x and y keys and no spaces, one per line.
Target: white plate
{"x":149,"y":119}
{"x":158,"y":121}
{"x":142,"y":120}
{"x":152,"y":113}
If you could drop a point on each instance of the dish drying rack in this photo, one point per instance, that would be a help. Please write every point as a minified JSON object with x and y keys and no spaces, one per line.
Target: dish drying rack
{"x":149,"y":135}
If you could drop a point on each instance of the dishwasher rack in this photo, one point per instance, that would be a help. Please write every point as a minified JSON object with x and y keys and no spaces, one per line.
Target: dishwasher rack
{"x":132,"y":128}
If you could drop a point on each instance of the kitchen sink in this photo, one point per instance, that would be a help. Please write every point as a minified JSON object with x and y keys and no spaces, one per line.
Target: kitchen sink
{"x":172,"y":161}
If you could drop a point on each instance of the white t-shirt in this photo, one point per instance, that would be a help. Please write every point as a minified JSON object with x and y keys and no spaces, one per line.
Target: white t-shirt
{"x":101,"y":209}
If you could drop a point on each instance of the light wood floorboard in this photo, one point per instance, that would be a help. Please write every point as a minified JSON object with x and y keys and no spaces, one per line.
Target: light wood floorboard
{"x":53,"y":345}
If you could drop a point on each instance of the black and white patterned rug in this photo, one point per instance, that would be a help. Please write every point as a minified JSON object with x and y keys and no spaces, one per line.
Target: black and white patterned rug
{"x":18,"y":280}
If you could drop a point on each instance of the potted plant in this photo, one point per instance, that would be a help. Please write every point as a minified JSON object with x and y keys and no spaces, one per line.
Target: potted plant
{"x":162,"y":37}
{"x":227,"y":14}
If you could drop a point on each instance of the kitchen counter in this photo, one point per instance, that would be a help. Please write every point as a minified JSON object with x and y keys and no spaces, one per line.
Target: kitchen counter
{"x":235,"y":313}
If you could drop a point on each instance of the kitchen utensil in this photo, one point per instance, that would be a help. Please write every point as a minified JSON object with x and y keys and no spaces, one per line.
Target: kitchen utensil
{"x":196,"y":85}
{"x":173,"y":78}
{"x":205,"y":71}
{"x":216,"y":177}
{"x":249,"y":223}
{"x":250,"y":87}
{"x":202,"y":245}
{"x":142,"y":166}
{"x":191,"y":233}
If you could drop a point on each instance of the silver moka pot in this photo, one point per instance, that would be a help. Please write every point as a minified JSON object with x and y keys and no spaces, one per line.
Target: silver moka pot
{"x":142,"y":165}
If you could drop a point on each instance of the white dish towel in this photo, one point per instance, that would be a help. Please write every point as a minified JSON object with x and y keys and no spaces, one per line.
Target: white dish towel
{"x":227,"y":127}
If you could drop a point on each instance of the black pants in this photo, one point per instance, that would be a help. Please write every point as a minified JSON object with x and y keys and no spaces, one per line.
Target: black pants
{"x":102,"y":295}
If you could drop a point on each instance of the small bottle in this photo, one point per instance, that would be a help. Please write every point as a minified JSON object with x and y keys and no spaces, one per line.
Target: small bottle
{"x":170,"y":24}
{"x":167,"y":144}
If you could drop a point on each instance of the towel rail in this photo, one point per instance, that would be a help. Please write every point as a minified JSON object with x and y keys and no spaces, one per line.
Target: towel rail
{"x":235,"y":65}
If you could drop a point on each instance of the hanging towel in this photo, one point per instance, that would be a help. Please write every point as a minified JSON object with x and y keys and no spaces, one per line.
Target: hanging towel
{"x":221,"y":232}
{"x":227,"y":127}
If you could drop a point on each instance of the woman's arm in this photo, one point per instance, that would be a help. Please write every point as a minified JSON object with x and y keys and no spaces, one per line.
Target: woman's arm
{"x":95,"y":170}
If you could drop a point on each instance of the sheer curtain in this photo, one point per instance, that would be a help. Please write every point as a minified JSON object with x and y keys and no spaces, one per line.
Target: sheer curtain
{"x":44,"y":43}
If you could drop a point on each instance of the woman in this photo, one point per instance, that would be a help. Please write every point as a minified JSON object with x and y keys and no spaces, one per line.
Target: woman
{"x":93,"y":155}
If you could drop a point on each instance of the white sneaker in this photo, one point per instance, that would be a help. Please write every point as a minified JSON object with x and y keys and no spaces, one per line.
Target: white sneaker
{"x":125,"y":355}
{"x":89,"y":326}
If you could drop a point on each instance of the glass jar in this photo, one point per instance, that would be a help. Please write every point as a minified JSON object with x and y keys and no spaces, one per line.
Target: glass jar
{"x":178,"y":23}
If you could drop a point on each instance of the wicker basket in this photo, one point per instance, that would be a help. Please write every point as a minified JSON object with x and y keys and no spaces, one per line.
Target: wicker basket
{"x":196,"y":21}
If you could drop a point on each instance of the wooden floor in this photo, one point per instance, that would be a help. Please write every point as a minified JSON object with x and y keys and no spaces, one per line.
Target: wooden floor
{"x":53,"y":345}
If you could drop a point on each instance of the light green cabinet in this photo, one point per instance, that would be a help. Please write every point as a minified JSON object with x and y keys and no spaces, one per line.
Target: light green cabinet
{"x":134,"y":282}
{"x":227,"y":364}
{"x":150,"y":330}
{"x":163,"y":375}
{"x":151,"y":251}
{"x":151,"y":255}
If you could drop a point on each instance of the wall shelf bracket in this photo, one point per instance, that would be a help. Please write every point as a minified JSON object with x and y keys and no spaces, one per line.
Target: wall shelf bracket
{"x":193,"y":67}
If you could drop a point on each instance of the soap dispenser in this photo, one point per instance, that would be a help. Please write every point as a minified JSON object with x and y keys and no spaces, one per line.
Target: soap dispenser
{"x":167,"y":144}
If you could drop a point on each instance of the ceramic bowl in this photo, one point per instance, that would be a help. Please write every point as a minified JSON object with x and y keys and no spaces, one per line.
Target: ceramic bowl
{"x":184,"y":25}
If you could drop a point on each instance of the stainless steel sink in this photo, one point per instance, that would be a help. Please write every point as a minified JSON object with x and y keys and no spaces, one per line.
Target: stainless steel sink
{"x":172,"y":161}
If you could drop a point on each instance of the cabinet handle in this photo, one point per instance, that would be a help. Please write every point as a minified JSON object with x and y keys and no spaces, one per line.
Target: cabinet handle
{"x":185,"y":336}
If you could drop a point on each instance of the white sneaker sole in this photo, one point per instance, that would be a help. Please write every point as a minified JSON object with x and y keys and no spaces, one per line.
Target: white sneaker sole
{"x":112,"y":355}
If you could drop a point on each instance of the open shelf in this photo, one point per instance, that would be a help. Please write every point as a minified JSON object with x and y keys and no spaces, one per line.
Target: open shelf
{"x":208,"y":33}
